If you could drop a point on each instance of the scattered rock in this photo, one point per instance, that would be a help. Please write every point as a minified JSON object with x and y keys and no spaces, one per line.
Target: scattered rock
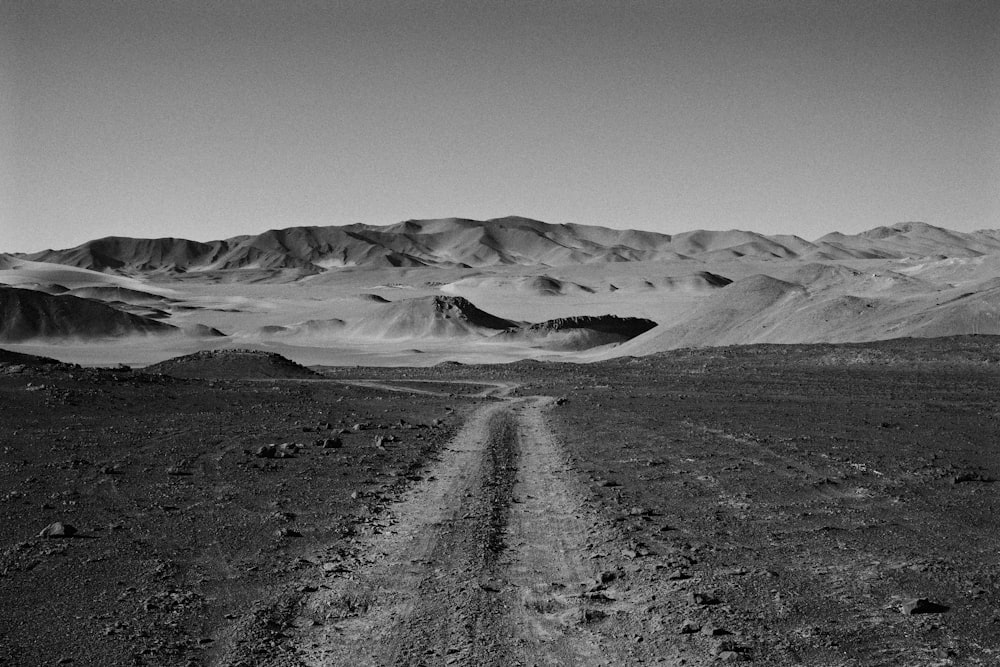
{"x":283,"y":533}
{"x":56,"y":530}
{"x":330,"y":443}
{"x":266,"y":452}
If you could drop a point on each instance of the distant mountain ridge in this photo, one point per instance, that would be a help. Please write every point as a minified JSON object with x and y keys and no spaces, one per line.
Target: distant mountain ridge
{"x":457,"y":242}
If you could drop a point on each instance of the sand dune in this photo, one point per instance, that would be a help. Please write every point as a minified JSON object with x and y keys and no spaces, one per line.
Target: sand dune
{"x":29,"y":314}
{"x":311,"y":330}
{"x":578,"y":333}
{"x":55,"y":277}
{"x":738,"y":313}
{"x":428,"y":317}
{"x":112,"y":293}
{"x":542,"y":285}
{"x":701,"y":281}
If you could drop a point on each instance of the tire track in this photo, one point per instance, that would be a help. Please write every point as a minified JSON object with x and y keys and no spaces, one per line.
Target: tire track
{"x":561,"y":595}
{"x":487,"y":562}
{"x":422,"y":599}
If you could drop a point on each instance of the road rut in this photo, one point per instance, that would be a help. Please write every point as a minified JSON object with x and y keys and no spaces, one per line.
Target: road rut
{"x":484,"y":562}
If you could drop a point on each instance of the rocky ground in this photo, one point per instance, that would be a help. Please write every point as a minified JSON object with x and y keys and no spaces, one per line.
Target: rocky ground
{"x":777,"y":505}
{"x":187,"y":523}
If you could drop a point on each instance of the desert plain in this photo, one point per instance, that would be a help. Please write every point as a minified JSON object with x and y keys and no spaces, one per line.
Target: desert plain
{"x":503,"y":442}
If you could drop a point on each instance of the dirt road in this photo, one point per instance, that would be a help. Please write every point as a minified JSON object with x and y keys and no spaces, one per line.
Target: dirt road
{"x":490,"y":560}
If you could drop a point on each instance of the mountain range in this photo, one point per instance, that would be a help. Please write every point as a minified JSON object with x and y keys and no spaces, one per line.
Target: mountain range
{"x":461,"y":243}
{"x":424,"y":291}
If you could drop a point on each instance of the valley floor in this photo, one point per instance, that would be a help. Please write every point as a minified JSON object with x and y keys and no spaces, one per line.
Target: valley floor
{"x":779,"y":505}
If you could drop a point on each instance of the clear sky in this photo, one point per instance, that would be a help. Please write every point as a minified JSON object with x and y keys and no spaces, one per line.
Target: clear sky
{"x":206,"y":120}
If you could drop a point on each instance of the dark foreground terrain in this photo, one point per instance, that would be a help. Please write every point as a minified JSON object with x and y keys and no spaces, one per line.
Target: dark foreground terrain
{"x":779,"y":505}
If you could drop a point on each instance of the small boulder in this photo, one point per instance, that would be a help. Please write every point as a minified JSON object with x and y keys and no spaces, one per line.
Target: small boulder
{"x":286,"y":450}
{"x":266,"y":452}
{"x":964,"y":477}
{"x":689,"y":627}
{"x":922,"y":606}
{"x":607,"y":576}
{"x":57,"y":530}
{"x":701,"y":598}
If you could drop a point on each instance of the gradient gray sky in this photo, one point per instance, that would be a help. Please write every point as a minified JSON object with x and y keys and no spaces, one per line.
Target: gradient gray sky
{"x":211,"y":119}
